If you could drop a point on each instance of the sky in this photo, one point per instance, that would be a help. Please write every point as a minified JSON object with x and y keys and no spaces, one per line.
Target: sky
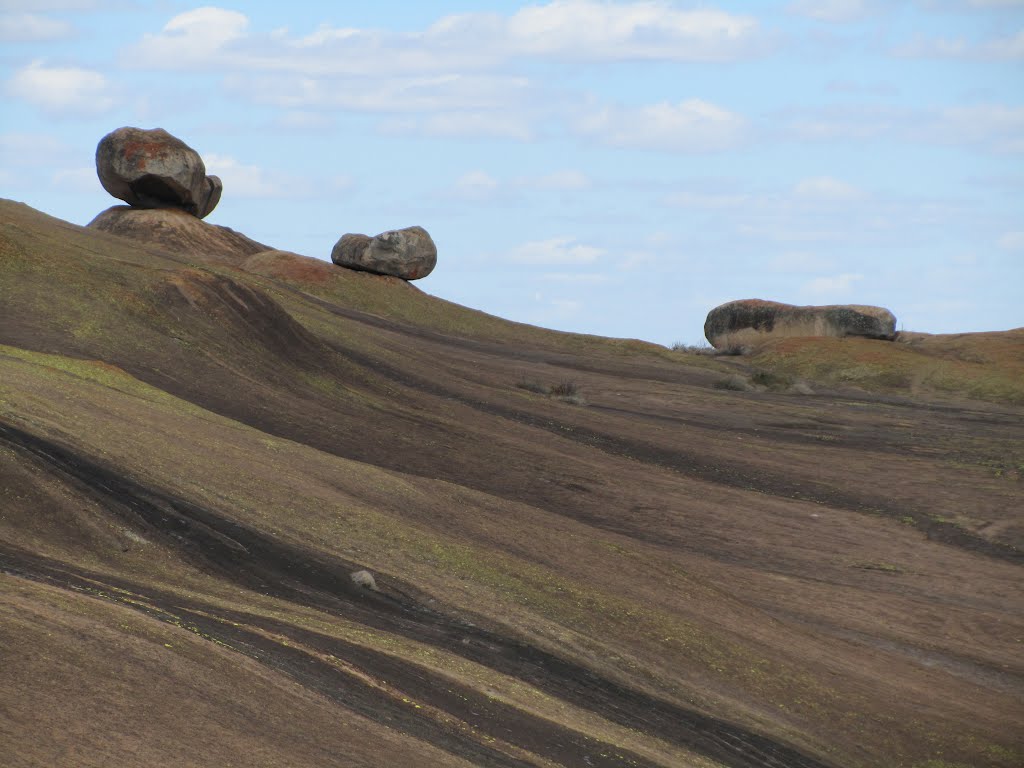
{"x":617,"y":168}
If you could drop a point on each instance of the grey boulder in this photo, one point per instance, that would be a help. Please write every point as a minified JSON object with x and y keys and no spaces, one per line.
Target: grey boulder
{"x":750,"y":321}
{"x":153,"y":169}
{"x":407,"y":253}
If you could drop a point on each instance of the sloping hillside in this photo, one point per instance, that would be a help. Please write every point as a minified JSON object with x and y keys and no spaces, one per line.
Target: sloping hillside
{"x":197,"y":450}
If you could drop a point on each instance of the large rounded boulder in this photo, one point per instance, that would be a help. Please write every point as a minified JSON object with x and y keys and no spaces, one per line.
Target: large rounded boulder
{"x":153,"y":169}
{"x":407,"y":253}
{"x":751,"y":321}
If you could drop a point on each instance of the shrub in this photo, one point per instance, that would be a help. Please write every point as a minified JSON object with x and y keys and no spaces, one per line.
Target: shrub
{"x":567,"y":391}
{"x":533,"y":386}
{"x":734,"y":383}
{"x":572,"y":399}
{"x":694,"y":349}
{"x":565,"y":388}
{"x":769,"y":380}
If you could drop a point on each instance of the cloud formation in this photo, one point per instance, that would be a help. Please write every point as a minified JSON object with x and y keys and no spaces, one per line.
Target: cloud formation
{"x":62,"y":91}
{"x":32,"y":28}
{"x":693,"y":125}
{"x":555,"y":251}
{"x":253,"y":181}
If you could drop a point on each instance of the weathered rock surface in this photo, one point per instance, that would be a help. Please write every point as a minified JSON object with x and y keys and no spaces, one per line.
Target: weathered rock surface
{"x":177,"y":231}
{"x":406,"y":253}
{"x":750,"y":321}
{"x":153,"y":169}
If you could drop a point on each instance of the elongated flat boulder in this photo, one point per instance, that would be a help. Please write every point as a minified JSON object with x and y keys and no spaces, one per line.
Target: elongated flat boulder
{"x":153,"y":169}
{"x":751,"y":321}
{"x":407,"y":253}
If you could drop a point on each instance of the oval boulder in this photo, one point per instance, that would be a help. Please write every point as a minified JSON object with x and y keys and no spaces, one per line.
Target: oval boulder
{"x":153,"y":169}
{"x":407,"y":253}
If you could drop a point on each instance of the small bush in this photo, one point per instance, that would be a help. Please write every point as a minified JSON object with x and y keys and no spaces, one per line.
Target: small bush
{"x":572,"y":399}
{"x":710,"y":351}
{"x":533,"y":386}
{"x":734,"y":350}
{"x":734,"y":383}
{"x":565,"y":388}
{"x":694,"y":349}
{"x":567,"y":391}
{"x":769,"y":380}
{"x":801,"y":388}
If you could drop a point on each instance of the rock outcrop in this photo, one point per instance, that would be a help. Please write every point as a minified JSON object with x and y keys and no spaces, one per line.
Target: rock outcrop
{"x":177,"y":231}
{"x":406,"y":253}
{"x":751,"y":321}
{"x":153,"y":169}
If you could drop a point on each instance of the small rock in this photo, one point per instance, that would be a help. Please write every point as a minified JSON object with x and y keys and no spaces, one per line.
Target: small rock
{"x":153,"y":169}
{"x":407,"y":253}
{"x":364,"y":579}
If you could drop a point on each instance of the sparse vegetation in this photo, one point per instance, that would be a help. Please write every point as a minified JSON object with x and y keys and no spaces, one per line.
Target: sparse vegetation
{"x":566,"y":390}
{"x":769,"y":380}
{"x":533,"y":386}
{"x":479,"y":502}
{"x":730,"y":350}
{"x":734,"y":383}
{"x":703,"y":348}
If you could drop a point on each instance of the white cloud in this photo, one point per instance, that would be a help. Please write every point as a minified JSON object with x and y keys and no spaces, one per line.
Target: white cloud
{"x":826,"y":189}
{"x":1012,"y":241}
{"x":829,"y":288}
{"x":998,"y":127}
{"x":82,"y":179}
{"x":994,"y":127}
{"x":689,"y":126}
{"x":476,"y":185}
{"x":829,"y":10}
{"x":460,"y":98}
{"x":800,"y":261}
{"x":26,"y":148}
{"x":557,"y":250}
{"x":1009,"y":47}
{"x":467,"y":125}
{"x":581,"y":278}
{"x":707,"y":200}
{"x":191,"y":39}
{"x":584,"y":29}
{"x":637,"y":30}
{"x":62,"y":90}
{"x":561,"y":180}
{"x":32,"y":27}
{"x":242,"y":180}
{"x":304,"y":121}
{"x":637,"y":260}
{"x":40,"y":6}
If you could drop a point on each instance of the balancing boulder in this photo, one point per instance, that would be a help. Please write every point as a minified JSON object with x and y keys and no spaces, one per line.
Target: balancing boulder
{"x":153,"y":169}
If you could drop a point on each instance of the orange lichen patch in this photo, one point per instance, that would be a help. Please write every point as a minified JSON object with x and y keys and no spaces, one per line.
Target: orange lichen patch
{"x":290,"y":266}
{"x":143,"y":150}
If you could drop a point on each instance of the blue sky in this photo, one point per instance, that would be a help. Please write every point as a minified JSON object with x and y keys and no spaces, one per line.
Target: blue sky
{"x":616,"y":168}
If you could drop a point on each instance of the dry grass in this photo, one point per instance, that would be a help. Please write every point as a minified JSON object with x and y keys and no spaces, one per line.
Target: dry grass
{"x":786,"y":566}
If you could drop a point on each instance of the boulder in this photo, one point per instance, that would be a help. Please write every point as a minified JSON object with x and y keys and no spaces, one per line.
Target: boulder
{"x":152,"y":169}
{"x":406,"y":253}
{"x":750,"y":321}
{"x":174,"y":230}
